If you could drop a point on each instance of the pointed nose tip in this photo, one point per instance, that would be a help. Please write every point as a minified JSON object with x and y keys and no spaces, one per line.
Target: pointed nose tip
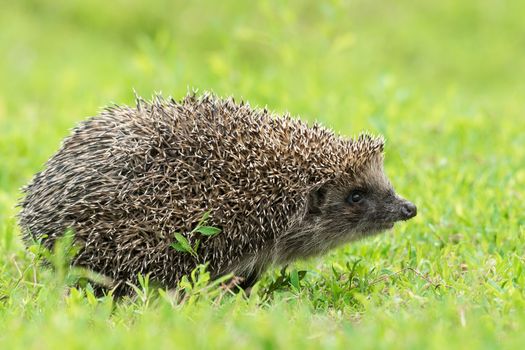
{"x":408,"y":210}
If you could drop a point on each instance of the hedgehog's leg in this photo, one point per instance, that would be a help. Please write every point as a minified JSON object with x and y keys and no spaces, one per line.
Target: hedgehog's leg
{"x":249,"y":281}
{"x":242,"y":282}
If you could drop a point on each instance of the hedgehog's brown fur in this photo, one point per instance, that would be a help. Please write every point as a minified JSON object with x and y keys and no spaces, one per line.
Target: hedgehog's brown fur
{"x":127,"y":180}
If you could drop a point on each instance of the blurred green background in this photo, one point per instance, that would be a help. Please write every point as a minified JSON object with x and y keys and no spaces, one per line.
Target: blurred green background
{"x":352,"y":65}
{"x":444,"y":81}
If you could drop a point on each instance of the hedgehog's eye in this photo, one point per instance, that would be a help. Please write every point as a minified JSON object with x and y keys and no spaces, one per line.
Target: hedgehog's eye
{"x":355,"y":196}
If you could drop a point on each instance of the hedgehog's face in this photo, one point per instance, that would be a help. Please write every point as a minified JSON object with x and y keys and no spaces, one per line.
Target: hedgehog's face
{"x":354,"y":205}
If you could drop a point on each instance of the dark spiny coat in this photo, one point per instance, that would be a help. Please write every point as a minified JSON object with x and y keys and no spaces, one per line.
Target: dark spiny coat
{"x":125,"y":181}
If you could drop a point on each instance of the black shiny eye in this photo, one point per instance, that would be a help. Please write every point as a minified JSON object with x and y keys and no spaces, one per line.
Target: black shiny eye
{"x":355,"y":197}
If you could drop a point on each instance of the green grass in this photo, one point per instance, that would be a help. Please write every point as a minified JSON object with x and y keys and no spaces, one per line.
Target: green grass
{"x":443,"y":81}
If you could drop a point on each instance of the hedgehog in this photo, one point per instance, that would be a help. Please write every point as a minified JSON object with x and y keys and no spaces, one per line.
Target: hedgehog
{"x":278,"y":189}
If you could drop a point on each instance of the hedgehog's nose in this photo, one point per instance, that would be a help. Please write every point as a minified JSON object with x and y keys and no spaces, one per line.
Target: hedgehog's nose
{"x":408,"y":210}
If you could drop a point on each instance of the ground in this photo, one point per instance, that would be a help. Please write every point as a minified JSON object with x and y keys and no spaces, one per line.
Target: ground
{"x":442,"y":81}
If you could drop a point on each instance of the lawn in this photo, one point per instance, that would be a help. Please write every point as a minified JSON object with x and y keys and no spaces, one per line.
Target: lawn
{"x":443,"y":81}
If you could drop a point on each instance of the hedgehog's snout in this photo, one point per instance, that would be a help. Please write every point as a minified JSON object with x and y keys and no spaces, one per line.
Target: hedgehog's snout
{"x":408,"y":210}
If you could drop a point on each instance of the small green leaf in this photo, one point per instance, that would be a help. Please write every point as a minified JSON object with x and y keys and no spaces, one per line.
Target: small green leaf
{"x":178,"y":247}
{"x":294,"y":279}
{"x":182,"y":241}
{"x":183,"y":245}
{"x":208,"y":230}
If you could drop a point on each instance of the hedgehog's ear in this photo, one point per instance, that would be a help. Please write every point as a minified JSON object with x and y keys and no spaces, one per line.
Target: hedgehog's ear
{"x":316,"y":198}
